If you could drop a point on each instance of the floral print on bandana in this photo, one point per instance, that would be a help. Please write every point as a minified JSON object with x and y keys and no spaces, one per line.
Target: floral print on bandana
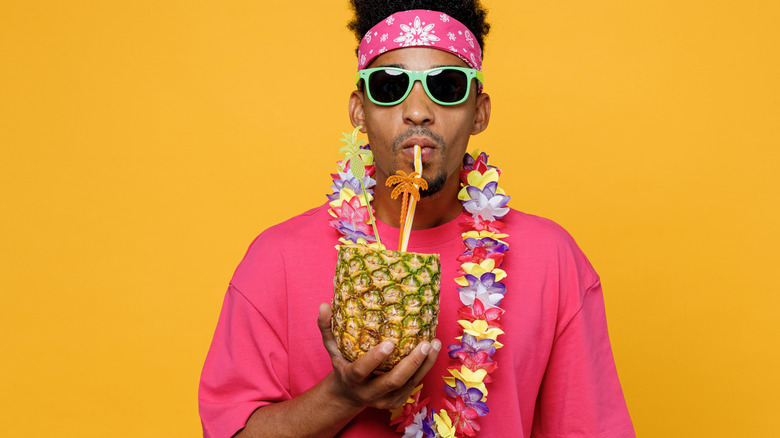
{"x":420,"y":28}
{"x":416,"y":35}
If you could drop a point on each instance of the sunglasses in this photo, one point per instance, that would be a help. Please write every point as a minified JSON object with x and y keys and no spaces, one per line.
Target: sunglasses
{"x":444,"y":85}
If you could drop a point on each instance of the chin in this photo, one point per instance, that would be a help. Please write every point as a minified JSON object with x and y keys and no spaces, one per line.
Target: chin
{"x":434,"y":186}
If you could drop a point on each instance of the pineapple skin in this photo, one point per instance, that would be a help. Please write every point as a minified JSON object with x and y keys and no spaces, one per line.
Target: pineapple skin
{"x":380,"y":295}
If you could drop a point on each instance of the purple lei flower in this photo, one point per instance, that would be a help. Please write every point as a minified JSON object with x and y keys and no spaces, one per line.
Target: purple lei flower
{"x":468,"y":161}
{"x":342,"y":178}
{"x":428,"y":424}
{"x":351,"y":232}
{"x":485,"y":288}
{"x":491,"y":245}
{"x":346,"y":179}
{"x":421,"y":425}
{"x":471,"y":346}
{"x":486,"y":202}
{"x":472,"y":397}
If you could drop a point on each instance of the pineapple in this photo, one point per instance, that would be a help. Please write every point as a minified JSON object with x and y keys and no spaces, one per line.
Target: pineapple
{"x":379,"y":295}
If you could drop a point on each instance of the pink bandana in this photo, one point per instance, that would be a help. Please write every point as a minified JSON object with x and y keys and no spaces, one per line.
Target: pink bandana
{"x":420,"y":28}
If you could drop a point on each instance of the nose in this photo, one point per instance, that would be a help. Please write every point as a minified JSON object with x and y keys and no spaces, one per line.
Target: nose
{"x":418,"y":107}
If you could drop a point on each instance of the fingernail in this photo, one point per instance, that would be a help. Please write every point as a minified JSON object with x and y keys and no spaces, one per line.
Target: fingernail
{"x":436,"y":344}
{"x":387,"y":347}
{"x":425,"y":348}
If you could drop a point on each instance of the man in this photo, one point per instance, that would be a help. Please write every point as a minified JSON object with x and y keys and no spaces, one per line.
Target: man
{"x":551,"y":375}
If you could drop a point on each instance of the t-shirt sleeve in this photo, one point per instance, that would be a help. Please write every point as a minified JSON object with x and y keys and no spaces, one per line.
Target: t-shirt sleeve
{"x":580,"y":395}
{"x":247,"y":363}
{"x":240,"y":375}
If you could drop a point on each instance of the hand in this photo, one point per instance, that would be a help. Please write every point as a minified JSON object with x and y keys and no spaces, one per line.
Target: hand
{"x":356,"y":381}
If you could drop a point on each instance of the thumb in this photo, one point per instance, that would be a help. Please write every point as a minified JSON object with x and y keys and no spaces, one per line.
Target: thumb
{"x":324,"y":322}
{"x":323,"y":319}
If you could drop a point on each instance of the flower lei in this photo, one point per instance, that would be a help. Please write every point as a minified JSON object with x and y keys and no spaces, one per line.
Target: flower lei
{"x":479,"y":286}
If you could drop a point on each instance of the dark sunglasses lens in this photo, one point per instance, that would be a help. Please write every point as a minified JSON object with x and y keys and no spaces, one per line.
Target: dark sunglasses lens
{"x":448,"y":85}
{"x":388,"y":86}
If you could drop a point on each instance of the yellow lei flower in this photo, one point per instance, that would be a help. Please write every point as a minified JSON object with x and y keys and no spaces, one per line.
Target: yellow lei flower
{"x":480,"y":330}
{"x":487,"y":265}
{"x":481,"y":234}
{"x":345,"y":194}
{"x":472,"y":379}
{"x":444,"y":424}
{"x":479,"y":180}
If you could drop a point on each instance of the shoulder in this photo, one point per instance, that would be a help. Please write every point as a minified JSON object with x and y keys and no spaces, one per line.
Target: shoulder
{"x":536,"y":225}
{"x":537,"y":231}
{"x":300,"y":239}
{"x":302,"y":231}
{"x":307,"y":225}
{"x":545,"y":245}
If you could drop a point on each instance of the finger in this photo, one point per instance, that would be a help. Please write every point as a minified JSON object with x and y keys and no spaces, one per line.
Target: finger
{"x":400,"y":396}
{"x":410,"y":371}
{"x":427,"y":364}
{"x":323,"y":319}
{"x":364,"y":366}
{"x":324,"y":323}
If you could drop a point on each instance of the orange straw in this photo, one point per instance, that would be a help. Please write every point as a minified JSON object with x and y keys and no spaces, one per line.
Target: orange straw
{"x":412,"y":202}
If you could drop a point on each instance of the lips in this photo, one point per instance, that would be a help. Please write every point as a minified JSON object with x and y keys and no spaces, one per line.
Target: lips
{"x":428,"y":148}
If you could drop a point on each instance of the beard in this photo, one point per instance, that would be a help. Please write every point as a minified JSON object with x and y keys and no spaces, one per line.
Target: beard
{"x":434,"y":185}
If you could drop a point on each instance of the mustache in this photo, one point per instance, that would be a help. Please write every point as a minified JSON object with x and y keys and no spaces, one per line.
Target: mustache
{"x":418,"y":131}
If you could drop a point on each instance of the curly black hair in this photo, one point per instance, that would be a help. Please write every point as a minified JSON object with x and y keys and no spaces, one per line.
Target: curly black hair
{"x":370,"y":12}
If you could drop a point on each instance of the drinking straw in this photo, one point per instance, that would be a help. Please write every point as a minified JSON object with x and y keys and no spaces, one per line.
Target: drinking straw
{"x":412,"y":202}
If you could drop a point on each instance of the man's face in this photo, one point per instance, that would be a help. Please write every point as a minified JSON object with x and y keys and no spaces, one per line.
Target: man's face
{"x":441,"y":131}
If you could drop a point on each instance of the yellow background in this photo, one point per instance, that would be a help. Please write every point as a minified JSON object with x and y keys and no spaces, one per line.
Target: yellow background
{"x":145,"y":143}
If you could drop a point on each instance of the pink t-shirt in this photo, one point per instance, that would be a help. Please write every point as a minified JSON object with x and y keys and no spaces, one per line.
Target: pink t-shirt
{"x":556,"y":375}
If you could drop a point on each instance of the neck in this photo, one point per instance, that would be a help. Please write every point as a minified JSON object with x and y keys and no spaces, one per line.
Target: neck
{"x":431,"y":211}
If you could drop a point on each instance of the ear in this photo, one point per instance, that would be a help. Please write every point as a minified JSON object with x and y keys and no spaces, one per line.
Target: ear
{"x":482,"y":114}
{"x":356,"y":110}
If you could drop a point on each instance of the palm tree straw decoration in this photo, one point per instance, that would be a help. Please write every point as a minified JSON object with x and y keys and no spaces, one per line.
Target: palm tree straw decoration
{"x":480,"y":291}
{"x":408,"y":186}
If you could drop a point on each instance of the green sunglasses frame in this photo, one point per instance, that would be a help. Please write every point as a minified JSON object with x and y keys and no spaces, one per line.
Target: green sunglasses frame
{"x":415,"y":76}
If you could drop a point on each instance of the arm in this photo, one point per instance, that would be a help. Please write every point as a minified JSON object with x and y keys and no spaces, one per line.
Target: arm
{"x":581,"y":391}
{"x":326,"y":408}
